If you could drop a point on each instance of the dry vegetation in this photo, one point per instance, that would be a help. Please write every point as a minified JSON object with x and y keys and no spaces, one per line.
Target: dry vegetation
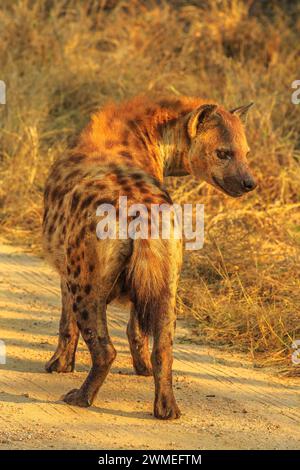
{"x":61,"y":59}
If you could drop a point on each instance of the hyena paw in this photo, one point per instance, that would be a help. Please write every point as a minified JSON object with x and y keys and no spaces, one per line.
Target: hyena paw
{"x":165,"y":407}
{"x":77,"y":398}
{"x":59,"y":364}
{"x":143,"y":369}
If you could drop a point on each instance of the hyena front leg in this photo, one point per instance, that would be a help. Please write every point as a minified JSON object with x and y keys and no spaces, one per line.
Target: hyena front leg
{"x":63,"y":360}
{"x":139,"y":346}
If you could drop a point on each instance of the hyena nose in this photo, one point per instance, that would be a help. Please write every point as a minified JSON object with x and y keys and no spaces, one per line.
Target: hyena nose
{"x":249,"y":183}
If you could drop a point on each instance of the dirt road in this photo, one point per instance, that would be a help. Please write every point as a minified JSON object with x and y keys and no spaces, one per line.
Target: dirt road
{"x":225,"y":402}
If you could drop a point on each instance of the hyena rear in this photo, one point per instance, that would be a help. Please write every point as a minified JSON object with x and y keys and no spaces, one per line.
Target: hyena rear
{"x":127,"y":150}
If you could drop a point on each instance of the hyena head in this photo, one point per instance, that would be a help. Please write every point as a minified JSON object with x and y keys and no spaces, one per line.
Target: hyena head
{"x":218,"y":148}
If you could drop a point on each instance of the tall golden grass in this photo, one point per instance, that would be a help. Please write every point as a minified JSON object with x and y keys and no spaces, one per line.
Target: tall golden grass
{"x":62,"y":59}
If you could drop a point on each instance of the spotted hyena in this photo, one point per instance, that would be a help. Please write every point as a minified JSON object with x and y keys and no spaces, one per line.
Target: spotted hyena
{"x":128,"y":149}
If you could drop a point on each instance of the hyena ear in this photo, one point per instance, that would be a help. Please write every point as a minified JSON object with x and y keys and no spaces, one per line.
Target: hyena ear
{"x":242,"y":111}
{"x":200,"y":116}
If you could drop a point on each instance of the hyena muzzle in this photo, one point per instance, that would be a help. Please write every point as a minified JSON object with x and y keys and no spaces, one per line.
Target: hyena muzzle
{"x":127,"y":150}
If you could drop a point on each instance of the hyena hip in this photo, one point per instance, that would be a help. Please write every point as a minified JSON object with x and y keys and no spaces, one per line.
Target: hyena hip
{"x":99,"y":271}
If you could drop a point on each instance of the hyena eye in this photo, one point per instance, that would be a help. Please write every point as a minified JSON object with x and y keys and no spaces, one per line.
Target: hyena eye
{"x":224,"y":154}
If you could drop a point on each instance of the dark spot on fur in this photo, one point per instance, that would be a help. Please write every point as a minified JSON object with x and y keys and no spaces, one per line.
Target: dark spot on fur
{"x":55,"y":194}
{"x":113,"y":166}
{"x":92,"y":226}
{"x":166,"y":197}
{"x":54,"y":219}
{"x":73,"y":288}
{"x":85,"y":314}
{"x":119,"y":173}
{"x":76,"y":158}
{"x":140,"y":184}
{"x":132,"y":124}
{"x":90,"y":184}
{"x":144,"y":190}
{"x":88,"y":289}
{"x":75,"y":201}
{"x":127,"y":189}
{"x":100,"y":186}
{"x":87,"y":201}
{"x":78,"y":299}
{"x":125,"y":154}
{"x":75,"y":308}
{"x":91,"y":268}
{"x":148,"y":200}
{"x":156,"y":182}
{"x":45,"y":213}
{"x":137,"y":176}
{"x":80,"y":237}
{"x":123,"y":181}
{"x":77,"y":272}
{"x":72,"y":175}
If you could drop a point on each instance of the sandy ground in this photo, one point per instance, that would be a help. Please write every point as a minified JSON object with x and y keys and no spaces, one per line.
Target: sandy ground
{"x":224,"y":401}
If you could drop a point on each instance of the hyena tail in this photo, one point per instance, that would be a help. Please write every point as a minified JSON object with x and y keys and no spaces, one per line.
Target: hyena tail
{"x":147,"y":278}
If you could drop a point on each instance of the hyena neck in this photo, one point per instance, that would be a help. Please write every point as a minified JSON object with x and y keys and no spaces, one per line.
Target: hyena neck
{"x":173,"y":149}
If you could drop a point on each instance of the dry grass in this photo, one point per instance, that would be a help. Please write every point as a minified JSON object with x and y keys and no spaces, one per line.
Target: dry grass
{"x":62,"y":59}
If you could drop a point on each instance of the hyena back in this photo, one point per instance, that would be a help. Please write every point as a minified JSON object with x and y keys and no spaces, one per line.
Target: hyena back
{"x":127,"y":150}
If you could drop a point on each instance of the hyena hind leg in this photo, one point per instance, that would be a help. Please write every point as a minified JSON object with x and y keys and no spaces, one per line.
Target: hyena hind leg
{"x":92,"y":290}
{"x":91,"y":317}
{"x":155,"y":302}
{"x":63,"y":360}
{"x":165,"y":406}
{"x":139,"y":346}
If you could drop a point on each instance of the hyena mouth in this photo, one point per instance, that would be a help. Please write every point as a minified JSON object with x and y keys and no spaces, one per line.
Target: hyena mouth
{"x":229,"y":192}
